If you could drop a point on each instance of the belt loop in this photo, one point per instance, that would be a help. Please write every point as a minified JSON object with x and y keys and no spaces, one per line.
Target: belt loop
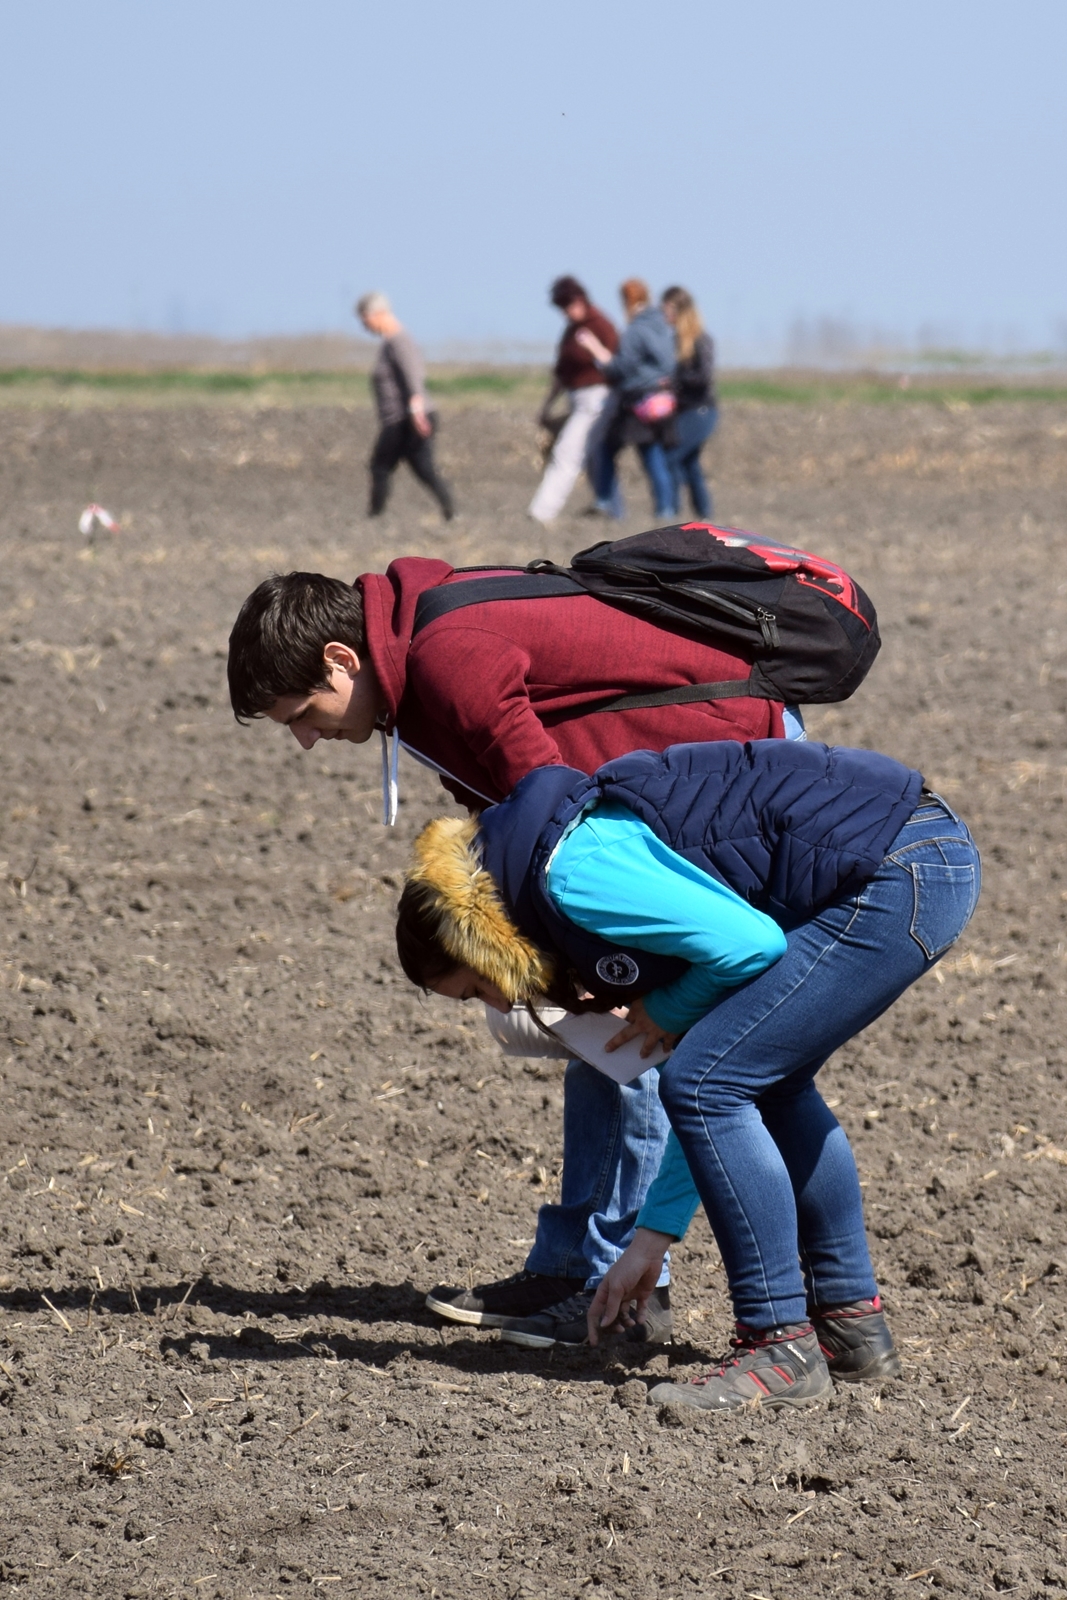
{"x":927,"y":795}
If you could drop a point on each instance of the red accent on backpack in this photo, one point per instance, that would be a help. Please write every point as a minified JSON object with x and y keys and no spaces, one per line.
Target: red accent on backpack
{"x":821,"y":574}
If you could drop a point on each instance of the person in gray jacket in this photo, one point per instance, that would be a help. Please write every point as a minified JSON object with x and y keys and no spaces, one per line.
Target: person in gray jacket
{"x":406,"y":418}
{"x":640,"y":371}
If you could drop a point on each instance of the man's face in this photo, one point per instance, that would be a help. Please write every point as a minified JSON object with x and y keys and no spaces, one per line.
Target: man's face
{"x":347,"y":709}
{"x":577,"y":311}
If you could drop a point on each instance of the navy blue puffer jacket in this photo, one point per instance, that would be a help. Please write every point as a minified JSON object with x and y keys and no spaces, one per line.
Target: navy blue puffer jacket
{"x":789,"y":826}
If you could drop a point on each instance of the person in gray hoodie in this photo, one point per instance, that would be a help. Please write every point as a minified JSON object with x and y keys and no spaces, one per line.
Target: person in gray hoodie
{"x":641,"y":368}
{"x":406,"y":417}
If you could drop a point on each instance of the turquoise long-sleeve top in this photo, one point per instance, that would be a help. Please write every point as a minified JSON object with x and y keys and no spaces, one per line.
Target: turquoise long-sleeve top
{"x":613,"y":877}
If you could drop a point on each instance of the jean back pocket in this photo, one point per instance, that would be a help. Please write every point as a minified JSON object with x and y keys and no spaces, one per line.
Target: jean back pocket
{"x":945,"y":897}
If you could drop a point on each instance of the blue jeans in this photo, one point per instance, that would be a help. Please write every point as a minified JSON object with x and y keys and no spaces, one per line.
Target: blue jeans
{"x":613,"y":1143}
{"x":605,"y":479}
{"x":692,"y":429}
{"x":600,"y":462}
{"x":613,"y":1139}
{"x":770,"y":1160}
{"x":660,"y":478}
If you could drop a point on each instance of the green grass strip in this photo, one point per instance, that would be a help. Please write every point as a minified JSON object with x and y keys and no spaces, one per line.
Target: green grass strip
{"x":460,"y":383}
{"x":887,"y":392}
{"x":518,"y":383}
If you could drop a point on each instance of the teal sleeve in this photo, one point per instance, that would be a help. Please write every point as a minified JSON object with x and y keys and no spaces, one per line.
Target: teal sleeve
{"x":672,"y":1200}
{"x":613,"y":877}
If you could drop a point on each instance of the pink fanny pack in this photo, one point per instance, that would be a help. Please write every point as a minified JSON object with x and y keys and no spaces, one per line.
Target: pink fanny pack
{"x":654,"y":407}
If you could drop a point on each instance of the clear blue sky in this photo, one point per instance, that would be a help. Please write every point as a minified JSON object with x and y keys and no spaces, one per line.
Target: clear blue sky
{"x":236,"y":167}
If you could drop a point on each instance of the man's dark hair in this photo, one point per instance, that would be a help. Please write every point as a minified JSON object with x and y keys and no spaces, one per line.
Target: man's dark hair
{"x":277,"y":643}
{"x":566,"y":289}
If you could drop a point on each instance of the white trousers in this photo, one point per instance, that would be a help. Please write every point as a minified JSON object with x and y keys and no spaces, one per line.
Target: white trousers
{"x":568,"y":454}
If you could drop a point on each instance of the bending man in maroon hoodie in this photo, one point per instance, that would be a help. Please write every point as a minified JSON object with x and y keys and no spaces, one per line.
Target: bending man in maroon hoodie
{"x":484,"y":694}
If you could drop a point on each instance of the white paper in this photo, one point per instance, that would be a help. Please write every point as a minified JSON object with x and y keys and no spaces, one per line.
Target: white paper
{"x":583,"y":1035}
{"x":586,"y":1035}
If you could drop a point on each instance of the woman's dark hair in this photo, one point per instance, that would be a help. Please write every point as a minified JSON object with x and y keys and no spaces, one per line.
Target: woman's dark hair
{"x":280,"y":634}
{"x":565,"y":290}
{"x":422,"y":955}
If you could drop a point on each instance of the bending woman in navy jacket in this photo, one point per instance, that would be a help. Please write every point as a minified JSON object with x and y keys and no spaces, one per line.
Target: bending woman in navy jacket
{"x":754,"y":906}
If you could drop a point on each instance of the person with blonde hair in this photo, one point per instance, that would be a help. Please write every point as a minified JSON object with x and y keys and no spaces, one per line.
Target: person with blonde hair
{"x":406,"y":417}
{"x":694,"y":387}
{"x":640,"y":372}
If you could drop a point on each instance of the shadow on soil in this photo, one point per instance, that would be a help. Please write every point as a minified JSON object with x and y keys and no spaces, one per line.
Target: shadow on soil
{"x":159,"y":1306}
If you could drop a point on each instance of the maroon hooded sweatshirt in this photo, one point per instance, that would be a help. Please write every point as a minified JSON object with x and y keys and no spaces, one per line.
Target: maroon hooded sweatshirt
{"x":482,"y":693}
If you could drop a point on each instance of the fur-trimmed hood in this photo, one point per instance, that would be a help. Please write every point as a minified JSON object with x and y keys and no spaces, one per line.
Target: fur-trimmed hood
{"x":472,"y":922}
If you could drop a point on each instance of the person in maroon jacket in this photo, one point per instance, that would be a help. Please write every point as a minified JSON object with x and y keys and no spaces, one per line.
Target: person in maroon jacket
{"x":576,"y":375}
{"x":485,"y":694}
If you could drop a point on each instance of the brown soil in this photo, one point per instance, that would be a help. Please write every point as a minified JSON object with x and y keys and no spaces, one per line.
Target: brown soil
{"x":237,"y":1149}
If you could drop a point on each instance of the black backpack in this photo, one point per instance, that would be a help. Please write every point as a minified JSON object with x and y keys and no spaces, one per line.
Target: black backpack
{"x":809,"y":631}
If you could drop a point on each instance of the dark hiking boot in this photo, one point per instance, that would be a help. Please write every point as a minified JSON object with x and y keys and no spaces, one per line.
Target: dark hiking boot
{"x":490,"y":1305}
{"x":856,"y":1342}
{"x":770,"y":1367}
{"x":566,"y":1324}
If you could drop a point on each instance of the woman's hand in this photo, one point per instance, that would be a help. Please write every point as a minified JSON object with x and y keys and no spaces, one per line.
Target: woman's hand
{"x":640,"y":1025}
{"x":623,"y":1294}
{"x":589,"y":341}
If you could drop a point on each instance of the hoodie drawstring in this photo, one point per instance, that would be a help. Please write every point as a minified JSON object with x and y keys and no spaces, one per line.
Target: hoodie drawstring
{"x":390,"y":782}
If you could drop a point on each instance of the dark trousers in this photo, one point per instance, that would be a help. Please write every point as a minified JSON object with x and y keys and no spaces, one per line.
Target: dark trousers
{"x":402,"y":441}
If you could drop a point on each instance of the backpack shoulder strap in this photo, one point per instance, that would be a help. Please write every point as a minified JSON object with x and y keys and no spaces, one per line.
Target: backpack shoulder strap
{"x":434,"y":603}
{"x":554,"y":584}
{"x":684,"y":694}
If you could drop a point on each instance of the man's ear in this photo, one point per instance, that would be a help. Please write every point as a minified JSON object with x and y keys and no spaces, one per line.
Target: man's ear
{"x":340,"y":655}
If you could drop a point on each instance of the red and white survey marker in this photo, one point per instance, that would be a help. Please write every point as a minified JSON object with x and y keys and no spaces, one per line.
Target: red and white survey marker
{"x":96,"y":514}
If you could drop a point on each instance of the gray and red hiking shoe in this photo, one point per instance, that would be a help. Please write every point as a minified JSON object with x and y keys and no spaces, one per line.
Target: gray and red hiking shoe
{"x":490,"y":1305}
{"x":856,"y":1341}
{"x":771,"y":1367}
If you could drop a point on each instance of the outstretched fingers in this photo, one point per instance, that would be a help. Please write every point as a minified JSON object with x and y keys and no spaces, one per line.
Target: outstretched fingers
{"x":622,"y":1295}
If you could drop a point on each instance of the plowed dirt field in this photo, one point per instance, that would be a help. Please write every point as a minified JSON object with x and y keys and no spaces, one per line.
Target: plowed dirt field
{"x":237,"y":1149}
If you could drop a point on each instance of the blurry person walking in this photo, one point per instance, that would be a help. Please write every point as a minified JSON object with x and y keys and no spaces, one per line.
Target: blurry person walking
{"x":694,"y":386}
{"x":641,"y":373}
{"x":577,"y":375}
{"x":406,"y":418}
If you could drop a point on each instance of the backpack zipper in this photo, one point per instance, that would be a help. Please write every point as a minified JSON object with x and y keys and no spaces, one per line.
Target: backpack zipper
{"x":768,"y":625}
{"x":746,"y":610}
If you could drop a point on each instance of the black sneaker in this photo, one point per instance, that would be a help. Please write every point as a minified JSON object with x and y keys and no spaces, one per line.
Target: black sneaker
{"x":490,"y":1305}
{"x":566,"y":1323}
{"x":856,"y":1342}
{"x":771,"y":1367}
